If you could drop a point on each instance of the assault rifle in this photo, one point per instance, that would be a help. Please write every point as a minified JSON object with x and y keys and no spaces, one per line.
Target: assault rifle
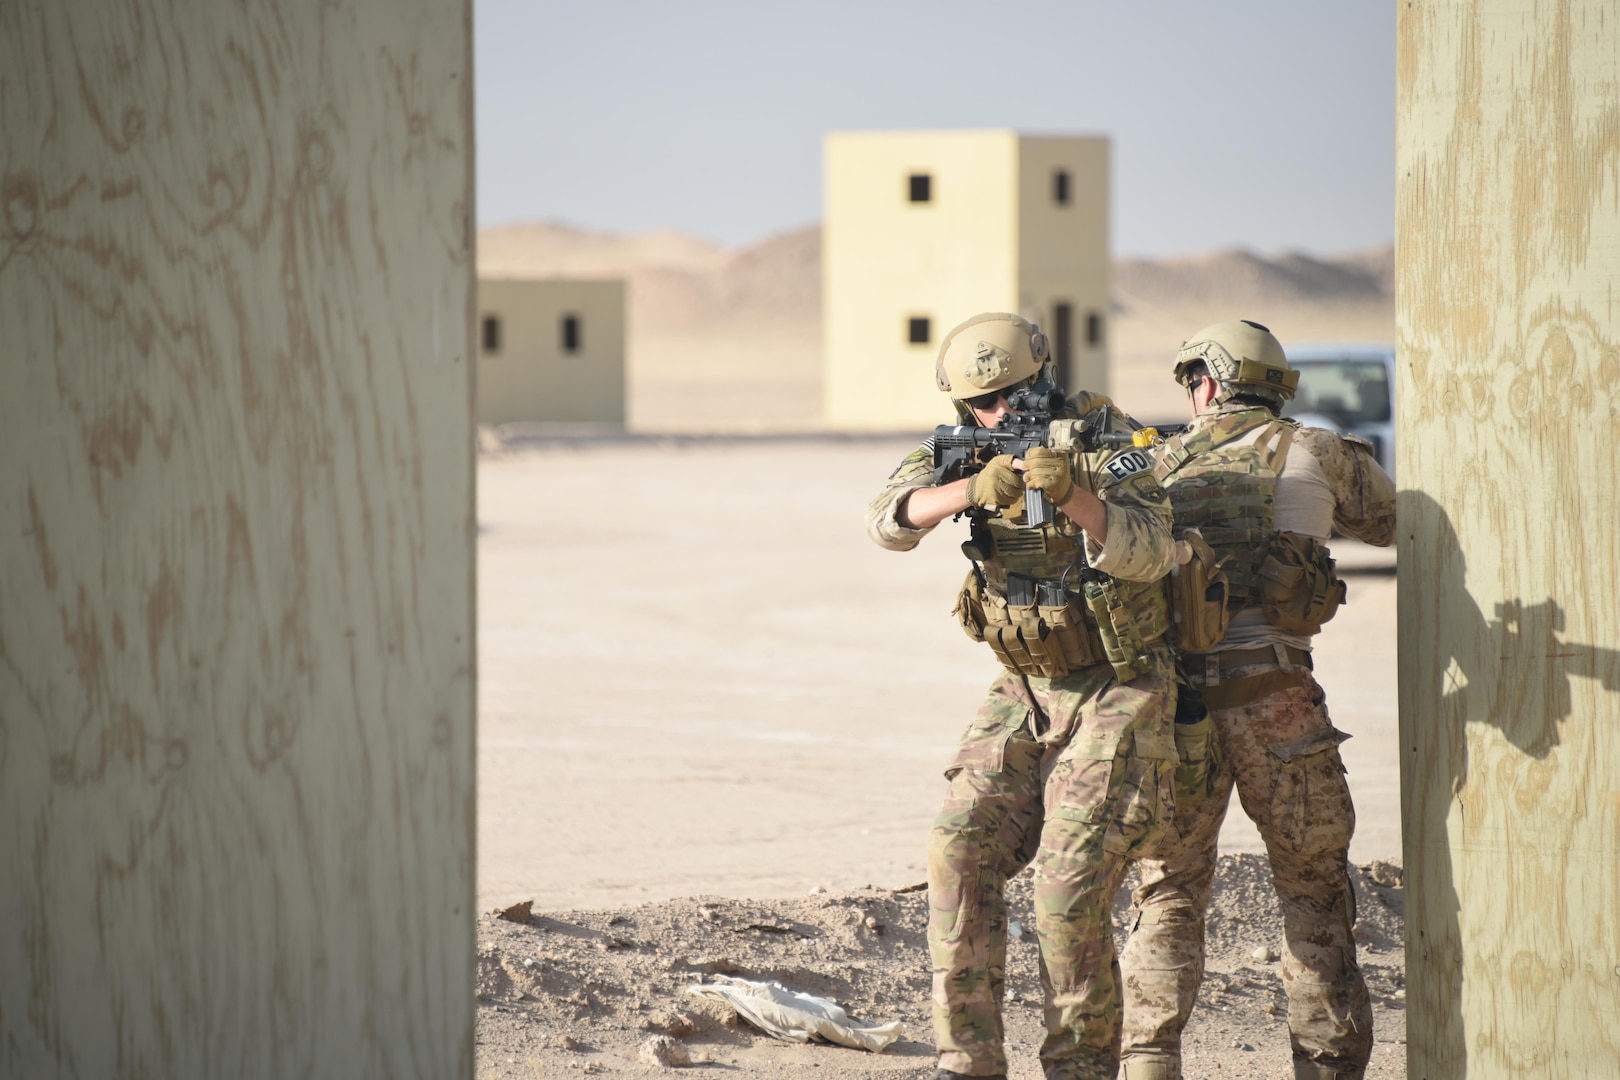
{"x":1039,"y":417}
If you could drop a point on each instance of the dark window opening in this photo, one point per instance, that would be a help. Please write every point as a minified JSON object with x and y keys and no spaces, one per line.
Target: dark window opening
{"x":922,"y":187}
{"x":917,"y":330}
{"x":492,"y":333}
{"x":570,"y":333}
{"x":1060,"y":187}
{"x":1063,"y":345}
{"x":1094,"y":328}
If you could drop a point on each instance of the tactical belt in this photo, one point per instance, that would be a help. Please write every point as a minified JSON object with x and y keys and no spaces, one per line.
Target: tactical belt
{"x":1238,"y":676}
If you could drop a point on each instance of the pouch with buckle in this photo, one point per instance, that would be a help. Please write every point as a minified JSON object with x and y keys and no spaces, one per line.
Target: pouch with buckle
{"x":1299,"y":588}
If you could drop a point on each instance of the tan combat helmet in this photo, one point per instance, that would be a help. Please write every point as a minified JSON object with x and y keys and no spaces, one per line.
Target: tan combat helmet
{"x":990,"y":352}
{"x":1244,"y":357}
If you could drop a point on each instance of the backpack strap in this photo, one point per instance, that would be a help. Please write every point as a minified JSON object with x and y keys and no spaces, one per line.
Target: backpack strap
{"x":1279,"y":436}
{"x":1182,"y":448}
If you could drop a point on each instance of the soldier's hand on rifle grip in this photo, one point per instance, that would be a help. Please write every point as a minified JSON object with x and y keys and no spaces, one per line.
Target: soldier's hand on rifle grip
{"x":1048,"y":470}
{"x":996,"y":485}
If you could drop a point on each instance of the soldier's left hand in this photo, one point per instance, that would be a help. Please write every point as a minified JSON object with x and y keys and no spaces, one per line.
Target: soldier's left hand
{"x":1048,"y":470}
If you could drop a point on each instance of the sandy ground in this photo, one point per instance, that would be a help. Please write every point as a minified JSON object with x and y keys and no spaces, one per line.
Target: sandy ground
{"x":713,"y":715}
{"x":586,"y":992}
{"x":713,"y":718}
{"x":698,"y":676}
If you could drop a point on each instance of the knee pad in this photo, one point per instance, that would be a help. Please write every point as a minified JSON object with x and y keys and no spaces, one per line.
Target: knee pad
{"x":1152,"y":1069}
{"x":1170,"y":913}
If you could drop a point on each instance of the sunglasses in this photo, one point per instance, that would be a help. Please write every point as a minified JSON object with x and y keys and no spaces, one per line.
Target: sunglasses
{"x":988,"y":399}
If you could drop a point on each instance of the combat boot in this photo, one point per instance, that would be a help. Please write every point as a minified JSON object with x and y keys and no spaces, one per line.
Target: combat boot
{"x":1074,"y":1070}
{"x":1314,"y":1070}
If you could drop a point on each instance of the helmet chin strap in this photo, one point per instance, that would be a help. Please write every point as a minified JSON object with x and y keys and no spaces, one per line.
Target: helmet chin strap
{"x":1228,"y":391}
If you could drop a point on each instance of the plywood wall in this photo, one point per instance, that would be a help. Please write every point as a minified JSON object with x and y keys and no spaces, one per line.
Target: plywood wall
{"x":236,"y":633}
{"x":1507,"y":249}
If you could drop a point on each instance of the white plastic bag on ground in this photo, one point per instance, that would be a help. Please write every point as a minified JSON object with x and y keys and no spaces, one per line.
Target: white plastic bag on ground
{"x":796,"y":1017}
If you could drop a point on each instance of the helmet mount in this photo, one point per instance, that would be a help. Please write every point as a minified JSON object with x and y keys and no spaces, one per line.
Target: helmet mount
{"x":990,"y":352}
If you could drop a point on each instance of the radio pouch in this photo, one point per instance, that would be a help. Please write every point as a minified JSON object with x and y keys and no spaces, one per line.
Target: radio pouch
{"x":1198,"y":594}
{"x":1121,"y":640}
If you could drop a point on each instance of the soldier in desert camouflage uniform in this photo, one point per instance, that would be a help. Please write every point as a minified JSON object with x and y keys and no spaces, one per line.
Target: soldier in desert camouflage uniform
{"x":1071,"y":759}
{"x":1265,"y":493}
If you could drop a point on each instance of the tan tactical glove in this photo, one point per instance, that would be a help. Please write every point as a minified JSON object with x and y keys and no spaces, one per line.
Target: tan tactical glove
{"x":1088,"y":400}
{"x":1048,"y":471}
{"x":997,"y":484}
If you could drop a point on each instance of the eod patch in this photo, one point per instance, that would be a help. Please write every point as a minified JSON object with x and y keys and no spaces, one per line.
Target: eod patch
{"x":1131,"y":461}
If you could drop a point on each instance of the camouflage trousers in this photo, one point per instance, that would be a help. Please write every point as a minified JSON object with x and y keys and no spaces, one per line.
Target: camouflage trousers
{"x":1076,"y":784}
{"x":1281,"y":752}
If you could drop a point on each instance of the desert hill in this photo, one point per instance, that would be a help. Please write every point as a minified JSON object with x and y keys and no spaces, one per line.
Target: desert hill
{"x":1157,"y":303}
{"x":730,"y":339}
{"x":1242,"y":278}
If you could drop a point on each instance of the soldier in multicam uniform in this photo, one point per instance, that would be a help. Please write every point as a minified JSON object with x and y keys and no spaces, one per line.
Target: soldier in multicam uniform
{"x":1265,"y":493}
{"x":1071,"y":759}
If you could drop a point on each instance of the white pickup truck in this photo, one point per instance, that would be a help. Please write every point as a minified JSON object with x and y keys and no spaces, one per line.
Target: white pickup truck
{"x":1348,"y":388}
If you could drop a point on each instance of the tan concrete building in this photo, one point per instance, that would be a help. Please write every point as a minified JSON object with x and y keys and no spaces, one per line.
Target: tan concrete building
{"x":926,"y":228}
{"x":550,"y":350}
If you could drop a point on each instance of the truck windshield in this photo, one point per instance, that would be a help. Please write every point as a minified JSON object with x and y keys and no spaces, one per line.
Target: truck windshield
{"x":1348,"y":391}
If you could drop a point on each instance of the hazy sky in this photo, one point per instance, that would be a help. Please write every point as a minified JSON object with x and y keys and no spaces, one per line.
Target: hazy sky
{"x":1268,"y":125}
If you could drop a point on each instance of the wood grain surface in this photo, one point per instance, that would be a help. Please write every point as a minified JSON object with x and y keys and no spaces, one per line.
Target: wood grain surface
{"x":236,"y":633}
{"x":1507,"y":244}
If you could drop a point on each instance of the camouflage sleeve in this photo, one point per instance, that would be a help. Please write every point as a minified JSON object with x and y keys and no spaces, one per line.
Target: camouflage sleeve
{"x":1139,"y":546}
{"x":916,"y":471}
{"x":1364,"y":493}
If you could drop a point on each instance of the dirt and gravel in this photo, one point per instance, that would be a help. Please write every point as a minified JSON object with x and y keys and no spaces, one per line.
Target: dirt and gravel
{"x":605,"y":992}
